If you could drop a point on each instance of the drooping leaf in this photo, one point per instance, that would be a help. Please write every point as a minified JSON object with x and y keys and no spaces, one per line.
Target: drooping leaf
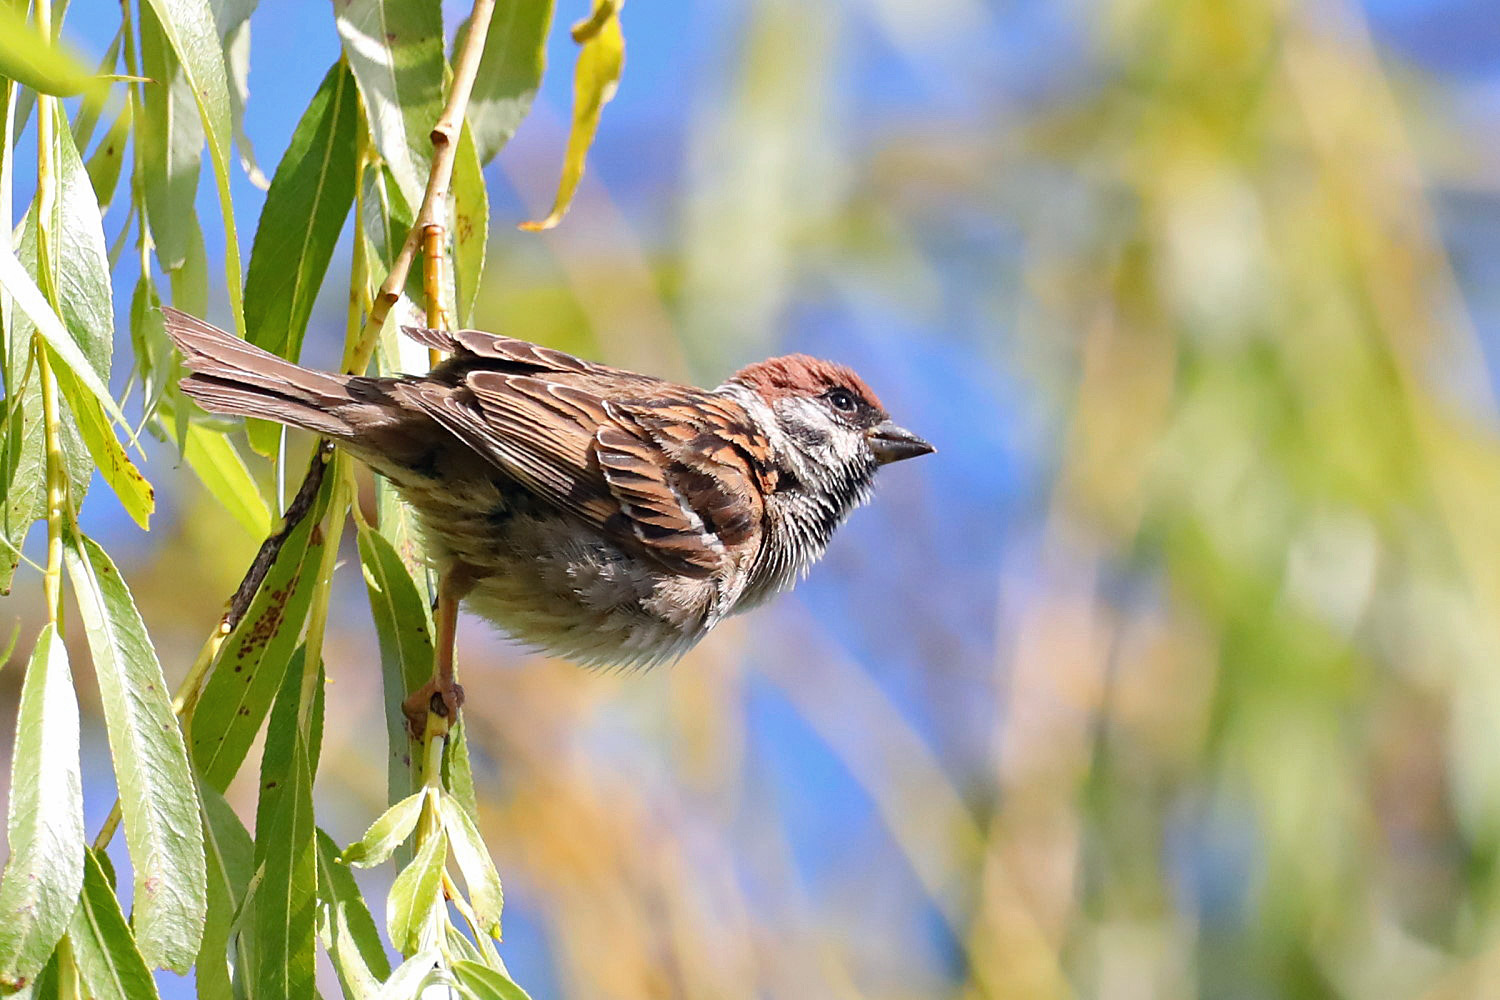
{"x":250,"y":664}
{"x":480,"y":982}
{"x":412,"y":977}
{"x":109,"y":156}
{"x":123,"y":476}
{"x":485,"y":894}
{"x":158,"y":799}
{"x":338,"y":890}
{"x":31,"y":58}
{"x":232,"y":20}
{"x":355,"y":977}
{"x":30,"y":300}
{"x":471,"y":227}
{"x":510,"y":71}
{"x":285,"y":915}
{"x":109,"y":962}
{"x":171,"y":137}
{"x":404,"y":628}
{"x":458,"y":771}
{"x":231,"y":862}
{"x":390,"y":829}
{"x":601,"y":60}
{"x":40,"y":885}
{"x":23,"y":475}
{"x":189,"y":27}
{"x":305,"y":209}
{"x":416,"y":895}
{"x":395,"y":49}
{"x":219,"y":467}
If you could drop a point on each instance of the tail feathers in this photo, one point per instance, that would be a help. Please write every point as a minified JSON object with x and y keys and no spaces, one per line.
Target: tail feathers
{"x":231,"y":376}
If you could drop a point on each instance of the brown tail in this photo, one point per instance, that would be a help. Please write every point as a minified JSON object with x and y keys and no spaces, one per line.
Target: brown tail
{"x":231,"y":376}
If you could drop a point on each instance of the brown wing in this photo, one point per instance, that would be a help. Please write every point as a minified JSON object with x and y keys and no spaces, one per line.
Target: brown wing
{"x":645,"y":470}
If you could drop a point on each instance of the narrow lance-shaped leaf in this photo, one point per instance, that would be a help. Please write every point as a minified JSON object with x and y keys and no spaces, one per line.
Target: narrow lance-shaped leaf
{"x":416,"y":894}
{"x":480,"y":982}
{"x":471,"y":227}
{"x":305,"y":209}
{"x":510,"y":71}
{"x":595,"y":80}
{"x":123,"y":476}
{"x":338,"y":889}
{"x":34,"y":60}
{"x":412,"y":977}
{"x":231,"y":863}
{"x":285,"y":900}
{"x":232,"y":19}
{"x":391,"y":829}
{"x":473,"y":859}
{"x":219,"y":467}
{"x":158,"y":801}
{"x":395,"y":49}
{"x":404,"y":630}
{"x":171,"y":144}
{"x":251,"y":662}
{"x":40,"y":885}
{"x":109,"y":156}
{"x":111,"y":966}
{"x":189,"y":27}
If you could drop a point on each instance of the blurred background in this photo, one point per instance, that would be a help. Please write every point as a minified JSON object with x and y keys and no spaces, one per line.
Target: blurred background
{"x":1175,"y":673}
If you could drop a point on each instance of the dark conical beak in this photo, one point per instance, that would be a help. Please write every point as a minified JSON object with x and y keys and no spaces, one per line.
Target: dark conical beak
{"x":892,"y":443}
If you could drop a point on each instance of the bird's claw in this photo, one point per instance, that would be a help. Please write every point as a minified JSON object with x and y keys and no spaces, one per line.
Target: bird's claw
{"x":436,"y":698}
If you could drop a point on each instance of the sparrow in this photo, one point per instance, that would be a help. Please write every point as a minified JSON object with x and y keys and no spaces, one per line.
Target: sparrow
{"x":602,"y":515}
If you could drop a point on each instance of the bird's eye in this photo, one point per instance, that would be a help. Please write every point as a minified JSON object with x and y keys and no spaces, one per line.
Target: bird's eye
{"x":841,"y":399}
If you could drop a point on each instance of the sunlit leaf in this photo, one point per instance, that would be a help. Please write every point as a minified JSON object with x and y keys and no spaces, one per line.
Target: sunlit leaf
{"x":383,"y":835}
{"x":250,"y":664}
{"x":351,"y":924}
{"x":285,"y":900}
{"x":485,"y":894}
{"x":32,"y":59}
{"x":395,"y":48}
{"x":23,"y":289}
{"x":158,"y":800}
{"x":600,"y":63}
{"x":123,"y":476}
{"x":480,"y":982}
{"x":189,"y":27}
{"x":232,"y":20}
{"x":109,"y":156}
{"x":471,"y":227}
{"x":39,"y":887}
{"x":510,"y":71}
{"x":404,"y":628}
{"x":417,"y":895}
{"x":171,"y":138}
{"x":218,"y":465}
{"x":231,"y":863}
{"x":412,"y":977}
{"x":305,"y":209}
{"x":109,"y":961}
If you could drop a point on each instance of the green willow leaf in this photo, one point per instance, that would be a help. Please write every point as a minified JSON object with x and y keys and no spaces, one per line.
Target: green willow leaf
{"x":386,"y":833}
{"x":219,"y":467}
{"x":340,"y":895}
{"x":171,"y":137}
{"x":34,"y":60}
{"x":189,"y":27}
{"x":471,"y":226}
{"x":395,"y":48}
{"x":416,"y":894}
{"x":285,"y":905}
{"x":110,"y":964}
{"x":485,"y":894}
{"x":481,"y":982}
{"x":309,"y":199}
{"x":249,"y":666}
{"x":355,"y":977}
{"x":158,"y":799}
{"x":231,"y":863}
{"x":412,"y":977}
{"x":232,"y":20}
{"x":510,"y":71}
{"x":403,"y":627}
{"x":595,"y":80}
{"x":123,"y":476}
{"x":109,"y":156}
{"x":40,"y":885}
{"x":23,"y":475}
{"x":67,"y":352}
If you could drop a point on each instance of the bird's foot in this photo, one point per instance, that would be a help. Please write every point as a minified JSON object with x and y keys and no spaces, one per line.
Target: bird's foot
{"x":439,"y":696}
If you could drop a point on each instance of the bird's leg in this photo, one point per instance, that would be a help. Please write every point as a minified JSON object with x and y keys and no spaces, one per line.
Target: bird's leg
{"x":440,"y":696}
